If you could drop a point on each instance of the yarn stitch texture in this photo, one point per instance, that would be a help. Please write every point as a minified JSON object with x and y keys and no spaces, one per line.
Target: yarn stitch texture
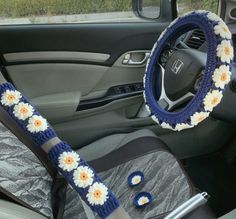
{"x":218,"y":67}
{"x":74,"y":169}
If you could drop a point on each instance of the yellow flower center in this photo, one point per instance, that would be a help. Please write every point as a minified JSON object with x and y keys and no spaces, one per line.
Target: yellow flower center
{"x":214,"y":100}
{"x":144,"y":201}
{"x":200,"y":118}
{"x":83,"y":176}
{"x":69,"y":160}
{"x":225,"y":29}
{"x":10,"y":97}
{"x":97,"y":193}
{"x":37,"y":123}
{"x":136,"y":180}
{"x":23,"y":110}
{"x":223,"y":76}
{"x":227,"y":50}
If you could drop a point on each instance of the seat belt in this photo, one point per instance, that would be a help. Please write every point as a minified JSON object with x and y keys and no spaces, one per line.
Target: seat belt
{"x":41,"y":155}
{"x":89,"y":213}
{"x":45,"y":137}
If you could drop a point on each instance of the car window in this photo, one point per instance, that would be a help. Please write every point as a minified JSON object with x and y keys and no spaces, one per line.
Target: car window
{"x":68,"y":11}
{"x":190,"y":5}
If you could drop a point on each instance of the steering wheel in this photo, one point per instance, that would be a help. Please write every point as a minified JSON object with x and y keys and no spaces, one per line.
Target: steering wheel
{"x":165,"y":88}
{"x":188,"y":76}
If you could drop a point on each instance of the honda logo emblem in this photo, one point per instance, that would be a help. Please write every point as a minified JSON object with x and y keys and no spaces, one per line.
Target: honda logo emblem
{"x":176,"y":67}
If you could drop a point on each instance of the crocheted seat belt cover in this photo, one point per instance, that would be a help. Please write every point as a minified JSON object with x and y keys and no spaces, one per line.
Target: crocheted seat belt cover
{"x":69,"y":164}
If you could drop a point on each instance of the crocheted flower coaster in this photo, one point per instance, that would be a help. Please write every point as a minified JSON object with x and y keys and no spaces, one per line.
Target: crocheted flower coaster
{"x":216,"y":74}
{"x":135,"y":178}
{"x":142,"y":199}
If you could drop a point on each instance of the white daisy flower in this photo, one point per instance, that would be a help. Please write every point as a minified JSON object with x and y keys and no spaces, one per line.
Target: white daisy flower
{"x":212,"y":99}
{"x":154,"y":118}
{"x":225,"y":51}
{"x":10,"y":97}
{"x":83,"y":176}
{"x":166,"y":126}
{"x":136,"y":180}
{"x":148,"y":109}
{"x":182,"y":126}
{"x":214,"y":17}
{"x":68,"y":160}
{"x":222,"y":30}
{"x":198,"y":117}
{"x":23,"y":110}
{"x":143,"y":200}
{"x":37,"y":124}
{"x":97,"y":194}
{"x":221,"y":76}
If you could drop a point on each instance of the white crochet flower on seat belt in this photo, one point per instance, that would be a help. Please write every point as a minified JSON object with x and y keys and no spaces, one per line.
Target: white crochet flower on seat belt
{"x":68,"y":161}
{"x":37,"y":124}
{"x":97,"y":194}
{"x":23,"y":111}
{"x":10,"y":97}
{"x":83,"y":176}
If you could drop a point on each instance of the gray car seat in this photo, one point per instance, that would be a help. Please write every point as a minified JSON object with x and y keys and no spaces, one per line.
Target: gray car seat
{"x":27,"y":181}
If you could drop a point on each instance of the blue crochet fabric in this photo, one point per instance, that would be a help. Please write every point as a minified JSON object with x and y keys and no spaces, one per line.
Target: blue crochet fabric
{"x":39,"y":138}
{"x":180,"y":26}
{"x":75,"y":170}
{"x":102,"y":210}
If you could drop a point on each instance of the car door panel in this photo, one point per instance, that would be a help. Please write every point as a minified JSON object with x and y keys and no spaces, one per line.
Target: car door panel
{"x":50,"y":63}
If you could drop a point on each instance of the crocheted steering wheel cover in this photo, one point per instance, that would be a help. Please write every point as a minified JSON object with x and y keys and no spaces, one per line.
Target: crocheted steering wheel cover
{"x":216,"y":75}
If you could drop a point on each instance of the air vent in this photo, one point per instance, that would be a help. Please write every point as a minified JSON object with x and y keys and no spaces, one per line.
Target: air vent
{"x":196,"y":39}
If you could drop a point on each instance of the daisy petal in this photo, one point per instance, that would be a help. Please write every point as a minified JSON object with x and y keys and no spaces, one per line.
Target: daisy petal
{"x":225,"y":51}
{"x":83,"y":176}
{"x":37,"y":124}
{"x":198,"y":117}
{"x":23,"y":111}
{"x":68,"y":160}
{"x":10,"y":97}
{"x":221,"y":76}
{"x":97,"y":194}
{"x":212,"y":99}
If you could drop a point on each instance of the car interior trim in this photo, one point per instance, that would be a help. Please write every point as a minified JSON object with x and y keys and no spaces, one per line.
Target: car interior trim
{"x":58,"y":55}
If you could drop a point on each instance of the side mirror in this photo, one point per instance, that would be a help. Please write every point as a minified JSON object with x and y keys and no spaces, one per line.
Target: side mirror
{"x":146,"y":9}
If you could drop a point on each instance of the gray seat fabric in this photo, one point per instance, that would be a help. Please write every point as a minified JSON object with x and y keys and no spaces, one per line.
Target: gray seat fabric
{"x":9,"y":210}
{"x":22,"y":174}
{"x":164,"y":178}
{"x":110,"y":143}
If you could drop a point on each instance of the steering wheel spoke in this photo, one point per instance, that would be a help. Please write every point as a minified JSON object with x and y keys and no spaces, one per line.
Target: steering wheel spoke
{"x":164,"y":101}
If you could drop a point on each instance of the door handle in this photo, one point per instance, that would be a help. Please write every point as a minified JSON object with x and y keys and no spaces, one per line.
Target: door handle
{"x":136,"y":58}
